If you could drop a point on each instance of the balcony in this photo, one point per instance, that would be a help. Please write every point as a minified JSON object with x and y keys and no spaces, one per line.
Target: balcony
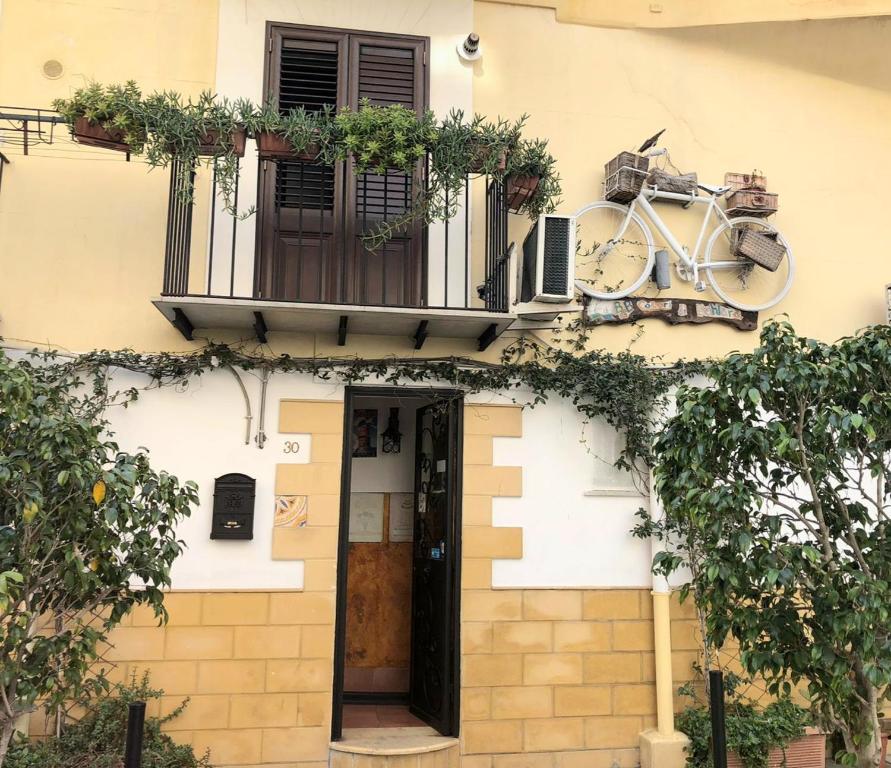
{"x":300,"y":262}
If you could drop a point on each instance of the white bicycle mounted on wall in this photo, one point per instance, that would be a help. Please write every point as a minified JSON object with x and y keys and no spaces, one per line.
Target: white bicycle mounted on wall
{"x":623,"y":250}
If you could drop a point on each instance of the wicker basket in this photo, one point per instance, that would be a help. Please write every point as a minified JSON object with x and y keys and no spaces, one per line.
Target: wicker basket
{"x":760,"y":247}
{"x":752,"y":202}
{"x":738,"y":181}
{"x":625,"y":175}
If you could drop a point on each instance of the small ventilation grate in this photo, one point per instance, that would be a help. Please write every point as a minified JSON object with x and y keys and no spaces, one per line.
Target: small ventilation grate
{"x":555,"y":270}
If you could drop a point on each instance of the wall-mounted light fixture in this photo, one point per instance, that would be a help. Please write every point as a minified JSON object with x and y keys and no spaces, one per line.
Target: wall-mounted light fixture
{"x":470,"y":49}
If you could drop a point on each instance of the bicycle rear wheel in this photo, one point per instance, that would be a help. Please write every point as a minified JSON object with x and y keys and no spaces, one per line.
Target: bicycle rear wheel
{"x":740,"y":282}
{"x":612,"y":266}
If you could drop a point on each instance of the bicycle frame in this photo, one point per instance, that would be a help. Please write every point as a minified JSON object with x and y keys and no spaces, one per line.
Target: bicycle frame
{"x":691,"y":261}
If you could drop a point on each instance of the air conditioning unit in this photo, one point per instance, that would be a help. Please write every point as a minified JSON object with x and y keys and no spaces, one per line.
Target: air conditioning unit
{"x":548,"y":272}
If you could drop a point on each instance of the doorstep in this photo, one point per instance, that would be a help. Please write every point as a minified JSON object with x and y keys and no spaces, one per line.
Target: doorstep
{"x":392,"y":741}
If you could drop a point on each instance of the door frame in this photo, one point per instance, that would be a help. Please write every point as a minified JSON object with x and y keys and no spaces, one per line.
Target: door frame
{"x":423,"y":395}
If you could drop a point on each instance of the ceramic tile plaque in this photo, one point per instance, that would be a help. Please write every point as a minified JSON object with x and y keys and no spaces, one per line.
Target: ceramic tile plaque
{"x":366,"y":517}
{"x":290,"y":511}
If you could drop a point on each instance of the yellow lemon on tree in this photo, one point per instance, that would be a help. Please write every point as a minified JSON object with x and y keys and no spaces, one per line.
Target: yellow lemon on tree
{"x":99,"y":491}
{"x":30,"y":511}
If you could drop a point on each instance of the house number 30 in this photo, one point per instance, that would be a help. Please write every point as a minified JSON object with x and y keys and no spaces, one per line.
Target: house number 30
{"x":292,"y":447}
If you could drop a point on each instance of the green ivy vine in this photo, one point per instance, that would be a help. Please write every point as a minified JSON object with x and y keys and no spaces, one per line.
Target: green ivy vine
{"x":626,"y":390}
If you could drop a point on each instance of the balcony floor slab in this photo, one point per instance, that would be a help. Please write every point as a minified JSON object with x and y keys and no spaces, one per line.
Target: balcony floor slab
{"x":207,"y":313}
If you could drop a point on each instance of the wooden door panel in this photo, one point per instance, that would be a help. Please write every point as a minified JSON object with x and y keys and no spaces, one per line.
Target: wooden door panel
{"x":390,"y":72}
{"x":301,"y":202}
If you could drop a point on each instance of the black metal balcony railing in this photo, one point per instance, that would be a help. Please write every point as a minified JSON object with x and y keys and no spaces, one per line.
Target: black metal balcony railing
{"x":305,"y":242}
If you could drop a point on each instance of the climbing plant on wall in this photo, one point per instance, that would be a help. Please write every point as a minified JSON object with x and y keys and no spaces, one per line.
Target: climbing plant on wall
{"x":624,"y":389}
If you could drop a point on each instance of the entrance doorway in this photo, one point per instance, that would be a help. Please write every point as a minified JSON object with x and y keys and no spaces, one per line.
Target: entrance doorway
{"x":398,"y":580}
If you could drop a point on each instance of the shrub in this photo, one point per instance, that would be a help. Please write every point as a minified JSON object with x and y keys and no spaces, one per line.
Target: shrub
{"x":97,"y":740}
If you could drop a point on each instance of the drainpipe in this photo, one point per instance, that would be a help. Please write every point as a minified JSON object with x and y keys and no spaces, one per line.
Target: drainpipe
{"x":662,"y":630}
{"x":662,"y":746}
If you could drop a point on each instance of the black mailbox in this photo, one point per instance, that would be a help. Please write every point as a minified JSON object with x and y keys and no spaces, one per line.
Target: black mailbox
{"x":233,"y":507}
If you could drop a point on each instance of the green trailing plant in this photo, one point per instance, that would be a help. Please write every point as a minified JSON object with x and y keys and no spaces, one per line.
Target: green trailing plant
{"x":376,"y":139}
{"x":189,"y":131}
{"x":305,"y":131}
{"x":464,"y":148}
{"x":774,"y":478}
{"x":532,"y":158}
{"x":752,"y":731}
{"x":624,"y":389}
{"x":112,"y":107}
{"x":97,"y":739}
{"x":381,"y":138}
{"x":81,"y":523}
{"x":458,"y":149}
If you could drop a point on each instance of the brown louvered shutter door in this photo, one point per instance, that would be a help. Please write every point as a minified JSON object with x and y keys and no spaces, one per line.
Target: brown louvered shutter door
{"x":301,"y":212}
{"x":385,"y":72}
{"x":312,"y":215}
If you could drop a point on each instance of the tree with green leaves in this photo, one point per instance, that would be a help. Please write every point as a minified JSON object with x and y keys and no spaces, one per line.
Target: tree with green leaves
{"x":774,"y":478}
{"x":86,"y":533}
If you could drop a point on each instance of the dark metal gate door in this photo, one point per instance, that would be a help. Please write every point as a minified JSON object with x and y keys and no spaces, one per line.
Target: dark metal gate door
{"x":434,"y":647}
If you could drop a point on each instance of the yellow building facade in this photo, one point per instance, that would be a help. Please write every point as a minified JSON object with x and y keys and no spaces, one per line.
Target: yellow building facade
{"x":564,"y":649}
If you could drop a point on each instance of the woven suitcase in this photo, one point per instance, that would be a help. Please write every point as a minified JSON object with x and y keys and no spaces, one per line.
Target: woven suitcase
{"x":737,"y":181}
{"x":752,"y":202}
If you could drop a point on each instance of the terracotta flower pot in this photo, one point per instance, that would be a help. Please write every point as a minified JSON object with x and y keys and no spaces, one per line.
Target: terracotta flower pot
{"x":208,"y":144}
{"x":94,"y":135}
{"x":273,"y":146}
{"x":519,"y":190}
{"x":807,"y":752}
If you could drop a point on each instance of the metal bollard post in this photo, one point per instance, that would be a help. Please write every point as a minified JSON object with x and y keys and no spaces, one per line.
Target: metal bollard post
{"x":716,"y":707}
{"x":135,"y":729}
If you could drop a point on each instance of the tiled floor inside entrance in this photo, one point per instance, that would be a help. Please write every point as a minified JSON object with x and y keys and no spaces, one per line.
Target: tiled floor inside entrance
{"x":379,"y":716}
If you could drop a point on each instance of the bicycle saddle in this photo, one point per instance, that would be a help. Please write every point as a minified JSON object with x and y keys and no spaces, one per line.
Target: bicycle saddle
{"x":713,"y":189}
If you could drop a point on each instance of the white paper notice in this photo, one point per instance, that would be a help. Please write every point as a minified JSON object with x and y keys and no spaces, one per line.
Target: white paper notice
{"x":366,"y":517}
{"x":402,"y":516}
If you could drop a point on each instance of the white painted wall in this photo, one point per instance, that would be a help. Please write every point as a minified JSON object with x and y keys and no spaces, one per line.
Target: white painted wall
{"x":570,"y":539}
{"x":387,"y":472}
{"x":197,"y":432}
{"x":241,"y":54}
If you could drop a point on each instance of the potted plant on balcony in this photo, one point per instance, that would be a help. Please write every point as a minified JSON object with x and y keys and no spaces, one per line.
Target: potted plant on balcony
{"x":105,"y":116}
{"x":492,"y":143}
{"x":775,"y":735}
{"x":297,"y":134}
{"x":379,"y":139}
{"x":186,"y":130}
{"x":532,"y":184}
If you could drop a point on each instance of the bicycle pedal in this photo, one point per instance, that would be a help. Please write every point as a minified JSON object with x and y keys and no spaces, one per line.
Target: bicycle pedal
{"x":699,"y":286}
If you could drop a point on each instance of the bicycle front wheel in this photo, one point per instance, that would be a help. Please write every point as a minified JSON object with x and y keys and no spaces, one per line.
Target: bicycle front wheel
{"x":737,"y":280}
{"x":614,"y":263}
